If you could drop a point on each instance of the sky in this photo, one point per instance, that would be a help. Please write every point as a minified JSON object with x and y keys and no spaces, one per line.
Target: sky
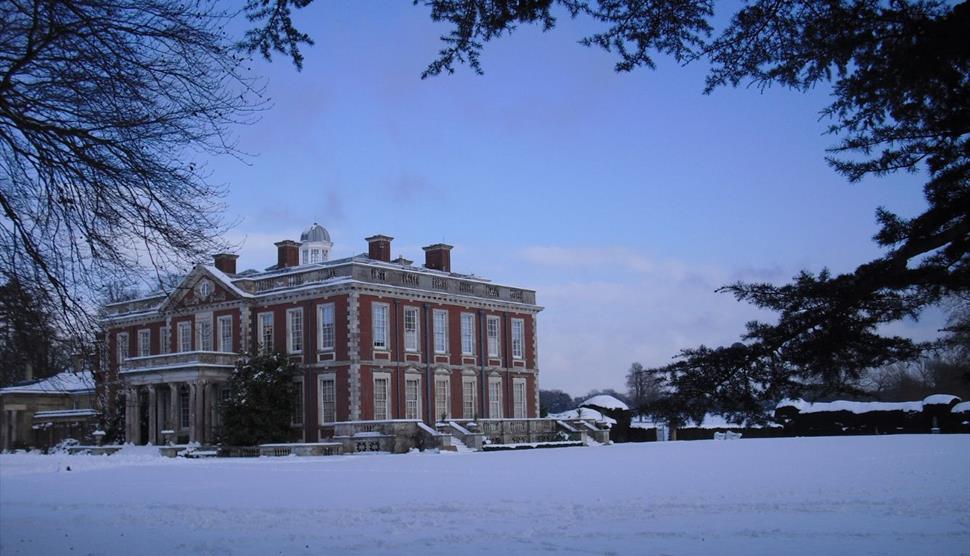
{"x":624,"y":200}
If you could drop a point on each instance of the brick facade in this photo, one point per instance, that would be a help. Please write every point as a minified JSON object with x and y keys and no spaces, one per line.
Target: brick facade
{"x":354,"y":287}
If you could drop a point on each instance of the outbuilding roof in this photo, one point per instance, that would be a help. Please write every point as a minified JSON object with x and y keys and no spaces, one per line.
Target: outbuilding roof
{"x":66,"y":382}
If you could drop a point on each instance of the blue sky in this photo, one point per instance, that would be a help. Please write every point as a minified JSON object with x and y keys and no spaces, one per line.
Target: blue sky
{"x":623,"y":199}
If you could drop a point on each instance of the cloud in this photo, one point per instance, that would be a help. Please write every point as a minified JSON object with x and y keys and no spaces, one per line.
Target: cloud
{"x":614,"y":259}
{"x":546,"y":255}
{"x":609,"y":306}
{"x":408,"y":188}
{"x":334,"y":209}
{"x":591,"y":331}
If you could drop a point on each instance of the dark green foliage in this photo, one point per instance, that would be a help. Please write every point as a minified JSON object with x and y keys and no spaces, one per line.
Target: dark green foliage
{"x":635,"y":28}
{"x":111,"y":414}
{"x":554,"y":401}
{"x":27,"y":336}
{"x":275,"y":31}
{"x":261,"y":401}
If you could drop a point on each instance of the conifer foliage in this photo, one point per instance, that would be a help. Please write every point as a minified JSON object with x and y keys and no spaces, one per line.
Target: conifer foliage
{"x":261,"y":401}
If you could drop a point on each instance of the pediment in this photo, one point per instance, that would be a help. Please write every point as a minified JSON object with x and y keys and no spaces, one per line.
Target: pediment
{"x":198,"y":289}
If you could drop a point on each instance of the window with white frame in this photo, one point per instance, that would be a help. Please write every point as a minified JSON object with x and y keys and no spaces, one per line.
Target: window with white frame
{"x":225,"y":333}
{"x":184,"y":407}
{"x":325,"y":327}
{"x":440,"y":331}
{"x":379,"y":325}
{"x":442,"y":397}
{"x":122,"y":340}
{"x":328,"y":399}
{"x":294,"y":328}
{"x":204,"y":328}
{"x":412,"y":398}
{"x":166,"y":340}
{"x":314,"y":255}
{"x":185,"y":336}
{"x":144,"y":342}
{"x":468,"y":398}
{"x":518,"y":339}
{"x":518,"y":398}
{"x":265,"y":330}
{"x":411,"y":329}
{"x":304,"y":258}
{"x":467,"y":334}
{"x":495,"y":397}
{"x":492,"y":329}
{"x":297,"y":417}
{"x":381,"y":397}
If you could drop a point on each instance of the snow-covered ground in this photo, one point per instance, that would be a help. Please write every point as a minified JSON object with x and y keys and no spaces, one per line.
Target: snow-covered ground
{"x":848,"y":495}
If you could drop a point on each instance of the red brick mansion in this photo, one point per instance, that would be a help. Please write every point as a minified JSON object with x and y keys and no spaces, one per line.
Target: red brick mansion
{"x":376,"y":340}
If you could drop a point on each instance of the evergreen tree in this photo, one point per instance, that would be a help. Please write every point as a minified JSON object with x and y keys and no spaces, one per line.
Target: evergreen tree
{"x":554,"y":401}
{"x":261,"y":401}
{"x":27,"y":337}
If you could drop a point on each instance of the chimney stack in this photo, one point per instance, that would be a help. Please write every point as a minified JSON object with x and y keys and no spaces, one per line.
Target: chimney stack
{"x":287,"y":253}
{"x":438,"y":257}
{"x":225,"y":262}
{"x":379,"y":248}
{"x":77,"y":361}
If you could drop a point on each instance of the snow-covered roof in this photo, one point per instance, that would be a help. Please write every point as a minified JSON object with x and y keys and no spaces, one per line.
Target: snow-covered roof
{"x":64,"y":413}
{"x":605,"y":401}
{"x":67,"y":382}
{"x":962,"y":407}
{"x":851,"y":407}
{"x":583,"y":413}
{"x":940,"y":399}
{"x":226,"y":281}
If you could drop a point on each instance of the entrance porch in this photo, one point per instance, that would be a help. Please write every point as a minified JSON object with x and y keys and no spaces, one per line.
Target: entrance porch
{"x":175,"y":397}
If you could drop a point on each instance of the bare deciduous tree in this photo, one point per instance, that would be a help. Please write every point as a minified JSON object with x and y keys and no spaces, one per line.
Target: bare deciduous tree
{"x":104,"y":105}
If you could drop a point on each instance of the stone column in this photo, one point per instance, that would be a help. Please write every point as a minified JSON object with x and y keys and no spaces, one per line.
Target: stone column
{"x":173,"y":405}
{"x":135,"y":416}
{"x":14,"y":427}
{"x":152,"y":415}
{"x":209,"y":396}
{"x":200,"y":419}
{"x":129,"y":420}
{"x":193,"y":429}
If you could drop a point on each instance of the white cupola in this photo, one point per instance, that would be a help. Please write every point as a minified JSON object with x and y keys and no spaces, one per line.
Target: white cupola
{"x":315,"y":245}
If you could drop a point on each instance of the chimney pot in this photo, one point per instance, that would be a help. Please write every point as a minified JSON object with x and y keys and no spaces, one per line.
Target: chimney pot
{"x":287,"y":253}
{"x":225,"y":262}
{"x":438,"y":257}
{"x":379,"y":248}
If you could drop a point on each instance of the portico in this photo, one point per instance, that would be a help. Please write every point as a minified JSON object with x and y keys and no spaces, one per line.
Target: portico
{"x":179,"y":392}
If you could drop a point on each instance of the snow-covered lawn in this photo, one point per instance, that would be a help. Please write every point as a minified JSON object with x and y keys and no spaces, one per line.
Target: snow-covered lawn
{"x":849,"y":495}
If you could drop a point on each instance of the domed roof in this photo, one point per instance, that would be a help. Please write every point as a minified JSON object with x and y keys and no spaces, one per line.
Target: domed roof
{"x":316,"y":232}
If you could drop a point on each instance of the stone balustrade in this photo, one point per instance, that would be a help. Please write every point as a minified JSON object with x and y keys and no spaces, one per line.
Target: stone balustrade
{"x":169,"y":361}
